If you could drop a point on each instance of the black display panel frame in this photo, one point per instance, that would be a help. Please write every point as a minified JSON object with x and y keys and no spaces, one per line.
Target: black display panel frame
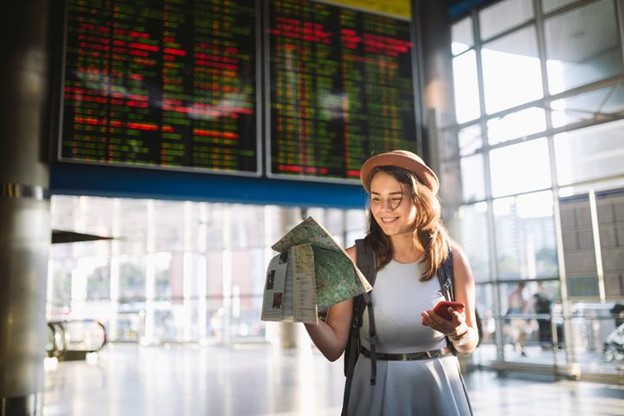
{"x":136,"y":176}
{"x":356,"y":110}
{"x":163,"y":125}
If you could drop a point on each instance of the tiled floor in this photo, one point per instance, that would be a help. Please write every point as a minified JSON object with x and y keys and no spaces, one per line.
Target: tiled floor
{"x":257,"y":379}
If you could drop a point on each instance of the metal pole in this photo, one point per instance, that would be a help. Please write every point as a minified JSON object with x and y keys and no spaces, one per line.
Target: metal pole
{"x":24,"y":205}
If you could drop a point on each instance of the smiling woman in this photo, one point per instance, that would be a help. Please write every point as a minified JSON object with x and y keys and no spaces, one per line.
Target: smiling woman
{"x":405,"y":364}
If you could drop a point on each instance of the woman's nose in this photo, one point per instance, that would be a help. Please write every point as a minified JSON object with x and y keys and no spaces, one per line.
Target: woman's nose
{"x":386,"y":205}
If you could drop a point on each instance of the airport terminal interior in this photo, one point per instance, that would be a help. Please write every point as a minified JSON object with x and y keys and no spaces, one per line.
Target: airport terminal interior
{"x":155,"y":276}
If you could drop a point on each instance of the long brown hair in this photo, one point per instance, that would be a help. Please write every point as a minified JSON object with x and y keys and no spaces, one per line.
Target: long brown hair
{"x":429,"y":230}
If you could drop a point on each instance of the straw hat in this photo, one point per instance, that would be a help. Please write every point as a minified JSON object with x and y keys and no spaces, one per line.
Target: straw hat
{"x":402,"y":159}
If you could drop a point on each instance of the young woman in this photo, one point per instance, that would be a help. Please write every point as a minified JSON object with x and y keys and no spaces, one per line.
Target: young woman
{"x":417,"y":374}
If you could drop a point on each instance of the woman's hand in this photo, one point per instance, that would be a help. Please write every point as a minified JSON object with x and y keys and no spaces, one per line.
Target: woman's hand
{"x":453,"y":328}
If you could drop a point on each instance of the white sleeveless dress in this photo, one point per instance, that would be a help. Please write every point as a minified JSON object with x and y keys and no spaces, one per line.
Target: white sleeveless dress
{"x":429,"y":387}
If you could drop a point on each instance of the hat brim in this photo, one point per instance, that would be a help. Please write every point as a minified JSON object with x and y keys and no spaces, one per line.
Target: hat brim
{"x":403,"y":159}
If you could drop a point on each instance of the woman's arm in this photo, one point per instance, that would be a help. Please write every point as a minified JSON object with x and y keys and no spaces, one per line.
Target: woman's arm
{"x":465,"y":339}
{"x":331,"y":336}
{"x":462,"y":329}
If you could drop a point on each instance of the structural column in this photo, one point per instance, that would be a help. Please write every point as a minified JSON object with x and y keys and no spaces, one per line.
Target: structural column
{"x":24,"y":204}
{"x":436,"y":65}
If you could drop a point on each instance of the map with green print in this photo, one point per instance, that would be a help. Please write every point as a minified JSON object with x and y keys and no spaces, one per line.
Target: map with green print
{"x":336,"y":277}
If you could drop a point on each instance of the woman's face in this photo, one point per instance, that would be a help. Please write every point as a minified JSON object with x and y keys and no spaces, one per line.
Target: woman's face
{"x":391,"y":205}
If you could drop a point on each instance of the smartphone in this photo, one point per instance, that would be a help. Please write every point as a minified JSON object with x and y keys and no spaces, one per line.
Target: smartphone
{"x":441,"y":308}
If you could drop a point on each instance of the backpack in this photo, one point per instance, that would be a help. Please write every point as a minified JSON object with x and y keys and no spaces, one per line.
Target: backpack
{"x":366,"y":262}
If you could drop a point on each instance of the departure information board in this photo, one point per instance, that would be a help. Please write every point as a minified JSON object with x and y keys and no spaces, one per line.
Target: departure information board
{"x":168,"y":84}
{"x":341,"y":88}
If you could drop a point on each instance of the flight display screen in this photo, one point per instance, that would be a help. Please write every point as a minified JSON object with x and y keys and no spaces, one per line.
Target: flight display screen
{"x":169,"y":84}
{"x":341,"y":87}
{"x":297,"y":89}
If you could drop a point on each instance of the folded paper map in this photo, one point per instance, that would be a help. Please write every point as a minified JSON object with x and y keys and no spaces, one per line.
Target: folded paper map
{"x":311,"y":270}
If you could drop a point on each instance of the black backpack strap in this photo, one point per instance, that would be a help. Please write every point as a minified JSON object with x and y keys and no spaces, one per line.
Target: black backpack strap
{"x":365,"y":260}
{"x":446,"y":277}
{"x":372,"y":337}
{"x":367,"y":265}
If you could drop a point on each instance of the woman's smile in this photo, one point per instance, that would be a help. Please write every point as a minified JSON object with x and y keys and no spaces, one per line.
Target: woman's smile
{"x":388,"y":220}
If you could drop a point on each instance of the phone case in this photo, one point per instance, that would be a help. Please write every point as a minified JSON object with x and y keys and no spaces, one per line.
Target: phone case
{"x":441,"y":308}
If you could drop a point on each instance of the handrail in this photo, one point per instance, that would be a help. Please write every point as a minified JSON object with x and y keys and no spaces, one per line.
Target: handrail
{"x":62,"y":343}
{"x":58,"y":335}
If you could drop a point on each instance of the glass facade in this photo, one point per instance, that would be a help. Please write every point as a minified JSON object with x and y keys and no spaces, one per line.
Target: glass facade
{"x":173,"y":271}
{"x":542,"y":178}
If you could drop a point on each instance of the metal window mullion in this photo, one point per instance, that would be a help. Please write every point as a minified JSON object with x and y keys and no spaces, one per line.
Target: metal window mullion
{"x":491,"y":233}
{"x":593,"y":212}
{"x":619,"y":16}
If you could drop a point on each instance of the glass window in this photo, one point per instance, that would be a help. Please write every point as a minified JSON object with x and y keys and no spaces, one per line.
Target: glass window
{"x":484,"y":298}
{"x":214,"y":275}
{"x":474,"y":239}
{"x":461,"y":36}
{"x":214,"y":220}
{"x":578,"y":246}
{"x":574,"y":78}
{"x":357,"y":224}
{"x":98,"y":279}
{"x":514,"y":125}
{"x":511,"y":70}
{"x":579,"y":107}
{"x":90,"y":215}
{"x":466,"y":85}
{"x":582,"y":46}
{"x":126,"y":326}
{"x":131,"y":279}
{"x":470,"y":139}
{"x":60,"y":286}
{"x":615,"y":103}
{"x":165,"y":273}
{"x":280,"y":220}
{"x":90,"y":279}
{"x":63,"y":211}
{"x":165,"y":329}
{"x":248,"y":270}
{"x":472,"y":178}
{"x":521,"y":167}
{"x":541,"y":298}
{"x":129,"y":226}
{"x":525,"y":236}
{"x":333,"y":220}
{"x":171,"y":262}
{"x":194,"y":290}
{"x":245,"y":230}
{"x":167,"y":227}
{"x":504,"y":15}
{"x":591,"y":153}
{"x":247,"y":290}
{"x":610,"y":209}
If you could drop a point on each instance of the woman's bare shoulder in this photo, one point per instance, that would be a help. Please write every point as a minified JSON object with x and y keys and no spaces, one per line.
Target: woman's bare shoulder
{"x":460,"y":262}
{"x":457,"y":250}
